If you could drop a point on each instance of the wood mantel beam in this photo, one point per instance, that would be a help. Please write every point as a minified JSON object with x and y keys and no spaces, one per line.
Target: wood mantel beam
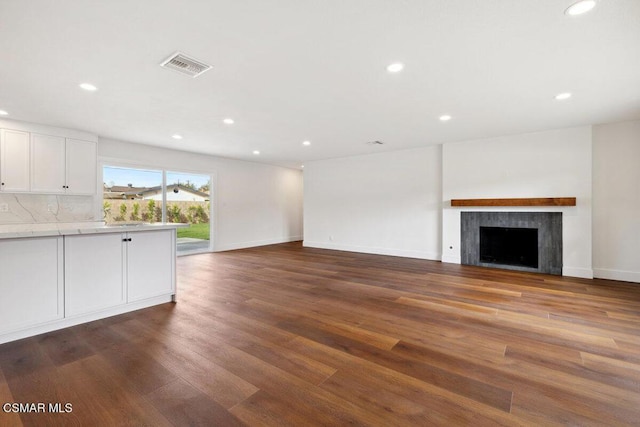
{"x":538,"y":201}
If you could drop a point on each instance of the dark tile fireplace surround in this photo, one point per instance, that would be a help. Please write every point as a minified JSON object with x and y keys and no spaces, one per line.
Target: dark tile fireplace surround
{"x":524,"y":241}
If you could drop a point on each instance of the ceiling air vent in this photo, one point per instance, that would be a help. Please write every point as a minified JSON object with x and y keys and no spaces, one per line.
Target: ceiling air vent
{"x":185,"y":64}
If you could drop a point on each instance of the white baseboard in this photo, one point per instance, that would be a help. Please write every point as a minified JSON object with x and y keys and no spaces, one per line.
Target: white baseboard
{"x":451,"y":259}
{"x":254,"y":243}
{"x":584,"y":273}
{"x":374,"y":250}
{"x":73,"y":321}
{"x":625,"y":276}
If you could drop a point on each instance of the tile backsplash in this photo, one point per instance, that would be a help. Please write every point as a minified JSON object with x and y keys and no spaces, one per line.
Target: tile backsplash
{"x":46,"y":208}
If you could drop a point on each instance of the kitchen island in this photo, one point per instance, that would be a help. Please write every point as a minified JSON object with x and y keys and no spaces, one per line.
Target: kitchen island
{"x":54,"y":276}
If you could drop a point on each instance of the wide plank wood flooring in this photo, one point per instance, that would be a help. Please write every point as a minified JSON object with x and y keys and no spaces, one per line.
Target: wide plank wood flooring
{"x":285,"y":335}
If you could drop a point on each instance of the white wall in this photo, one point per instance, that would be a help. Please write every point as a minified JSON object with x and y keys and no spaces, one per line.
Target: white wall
{"x":385,"y":203}
{"x":616,"y":201}
{"x":545,"y":164}
{"x":254,"y":204}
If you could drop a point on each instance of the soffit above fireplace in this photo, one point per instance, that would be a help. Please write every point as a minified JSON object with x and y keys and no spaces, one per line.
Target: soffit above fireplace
{"x":538,"y":201}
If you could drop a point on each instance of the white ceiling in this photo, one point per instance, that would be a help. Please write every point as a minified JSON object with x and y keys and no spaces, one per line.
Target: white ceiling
{"x":294,"y":70}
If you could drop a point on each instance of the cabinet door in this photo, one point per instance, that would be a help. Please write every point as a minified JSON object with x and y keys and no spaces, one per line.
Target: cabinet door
{"x":151,"y":264}
{"x":31,"y":282}
{"x":94,"y":272}
{"x":81,"y":162}
{"x":47,"y":163}
{"x":14,"y":160}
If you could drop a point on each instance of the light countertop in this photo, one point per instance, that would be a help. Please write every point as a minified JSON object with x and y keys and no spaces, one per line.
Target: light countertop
{"x":13,"y":231}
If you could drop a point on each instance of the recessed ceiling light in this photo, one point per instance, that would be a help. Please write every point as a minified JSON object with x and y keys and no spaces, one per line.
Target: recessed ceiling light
{"x":445,"y":118}
{"x":88,"y":86}
{"x":256,"y":152}
{"x":562,"y":96}
{"x":306,"y":142}
{"x":228,"y":121}
{"x":3,"y":113}
{"x":176,"y":136}
{"x":396,"y":67}
{"x":580,"y":7}
{"x":301,"y":166}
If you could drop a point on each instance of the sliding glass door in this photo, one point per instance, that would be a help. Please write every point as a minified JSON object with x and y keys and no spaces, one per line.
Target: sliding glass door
{"x":188,"y":201}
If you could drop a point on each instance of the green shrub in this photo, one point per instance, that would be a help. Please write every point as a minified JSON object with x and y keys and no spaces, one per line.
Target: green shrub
{"x":106,"y":209}
{"x":174,"y":213}
{"x":201,"y":214}
{"x":135,"y":211}
{"x":123,"y":213}
{"x":192,"y":215}
{"x":151,"y":214}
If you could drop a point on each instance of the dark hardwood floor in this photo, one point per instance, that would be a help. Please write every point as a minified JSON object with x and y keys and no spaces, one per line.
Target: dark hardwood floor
{"x":285,"y":335}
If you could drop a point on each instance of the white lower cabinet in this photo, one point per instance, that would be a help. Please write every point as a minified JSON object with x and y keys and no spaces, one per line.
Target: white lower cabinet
{"x":31,"y":282}
{"x":150,"y":264}
{"x":94,"y":272}
{"x":108,"y":270}
{"x":48,"y":283}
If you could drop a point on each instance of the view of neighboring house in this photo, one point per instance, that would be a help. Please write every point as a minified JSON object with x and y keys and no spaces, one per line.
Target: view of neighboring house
{"x":175,"y":193}
{"x":122,"y":193}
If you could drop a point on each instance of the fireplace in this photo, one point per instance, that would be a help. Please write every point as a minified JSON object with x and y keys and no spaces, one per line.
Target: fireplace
{"x":525,"y":241}
{"x":510,"y":246}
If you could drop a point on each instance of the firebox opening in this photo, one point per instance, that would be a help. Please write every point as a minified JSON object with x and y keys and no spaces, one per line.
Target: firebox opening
{"x":509,"y":246}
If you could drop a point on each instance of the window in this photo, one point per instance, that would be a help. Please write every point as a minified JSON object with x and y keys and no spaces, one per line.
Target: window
{"x":138,"y":195}
{"x":129,"y":195}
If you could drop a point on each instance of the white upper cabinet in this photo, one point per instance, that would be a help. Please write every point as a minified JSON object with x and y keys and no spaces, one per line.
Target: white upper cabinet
{"x":81,"y":167}
{"x":62,"y":165}
{"x":47,"y":163}
{"x":14,"y":160}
